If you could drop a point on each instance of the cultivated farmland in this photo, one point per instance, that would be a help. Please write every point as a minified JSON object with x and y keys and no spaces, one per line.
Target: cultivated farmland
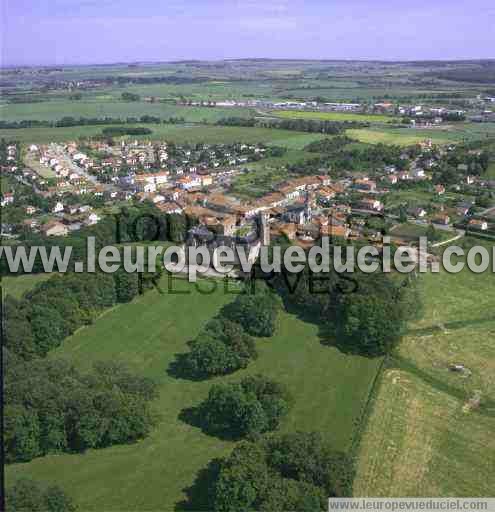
{"x":173,"y":133}
{"x":423,"y":439}
{"x":334,"y":116}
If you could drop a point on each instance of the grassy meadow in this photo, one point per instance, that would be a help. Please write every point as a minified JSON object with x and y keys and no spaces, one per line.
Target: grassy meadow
{"x":55,"y":110}
{"x":18,"y":285}
{"x":422,"y":439}
{"x":334,"y":116}
{"x":399,"y":136}
{"x":173,"y":133}
{"x":408,"y":136}
{"x":330,"y":390}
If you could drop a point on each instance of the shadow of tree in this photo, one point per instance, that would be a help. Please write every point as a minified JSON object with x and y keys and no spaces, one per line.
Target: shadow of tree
{"x":327,"y":331}
{"x":179,"y":369}
{"x":194,"y":417}
{"x":199,"y":496}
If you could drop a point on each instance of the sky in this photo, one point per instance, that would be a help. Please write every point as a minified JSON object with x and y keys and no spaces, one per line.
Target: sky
{"x":65,"y":32}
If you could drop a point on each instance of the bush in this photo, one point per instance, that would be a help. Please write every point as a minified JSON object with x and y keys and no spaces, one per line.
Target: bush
{"x":253,"y":406}
{"x":27,"y":495}
{"x":221,"y":347}
{"x":256,"y":312}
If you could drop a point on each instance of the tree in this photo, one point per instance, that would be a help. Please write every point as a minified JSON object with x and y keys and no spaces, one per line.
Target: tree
{"x":296,"y":471}
{"x":18,"y":334}
{"x":253,"y":406}
{"x":57,"y":501}
{"x":27,"y":495}
{"x":49,"y":328}
{"x":257,"y":313}
{"x":177,"y":228}
{"x":126,"y":285}
{"x":21,"y":434}
{"x":50,"y":407}
{"x":220,"y":348}
{"x":432,"y":234}
{"x":129,"y":96}
{"x":372,"y":320}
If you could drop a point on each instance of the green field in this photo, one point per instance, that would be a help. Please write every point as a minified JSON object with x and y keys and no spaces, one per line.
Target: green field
{"x":491,"y":171}
{"x":18,"y":285}
{"x":264,"y":174}
{"x":413,"y":197}
{"x":408,"y":230}
{"x":174,"y":133}
{"x":401,"y":136}
{"x":334,"y":116}
{"x":55,"y":110}
{"x":329,"y":388}
{"x":6,"y":184}
{"x":421,"y":438}
{"x":408,"y":136}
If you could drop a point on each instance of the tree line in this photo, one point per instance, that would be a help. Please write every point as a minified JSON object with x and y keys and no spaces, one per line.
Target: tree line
{"x":295,"y":471}
{"x":340,"y":154}
{"x":298,"y":125}
{"x":50,"y":407}
{"x":68,"y":121}
{"x":140,"y":222}
{"x":119,"y":131}
{"x":226,"y":343}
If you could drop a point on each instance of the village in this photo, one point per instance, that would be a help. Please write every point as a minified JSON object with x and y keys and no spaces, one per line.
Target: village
{"x":195,"y":180}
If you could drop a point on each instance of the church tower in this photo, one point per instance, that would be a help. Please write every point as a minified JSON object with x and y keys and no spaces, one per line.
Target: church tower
{"x":265,"y":229}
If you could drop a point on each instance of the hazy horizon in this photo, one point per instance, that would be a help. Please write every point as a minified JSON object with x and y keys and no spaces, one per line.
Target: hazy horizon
{"x":90,"y":32}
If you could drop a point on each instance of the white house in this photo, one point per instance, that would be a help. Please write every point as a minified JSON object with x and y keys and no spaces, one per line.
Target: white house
{"x":7,"y":198}
{"x":59,"y":207}
{"x":92,"y":219}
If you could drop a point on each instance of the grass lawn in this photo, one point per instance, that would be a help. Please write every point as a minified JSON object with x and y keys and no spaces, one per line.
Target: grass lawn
{"x":6,"y":184}
{"x":174,"y":133}
{"x":258,"y":181}
{"x":490,"y":173}
{"x":18,"y":285}
{"x":55,"y":110}
{"x":333,"y":116}
{"x":33,"y":163}
{"x":412,"y":197}
{"x":407,"y":136}
{"x":421,"y":440}
{"x":409,"y":230}
{"x":329,"y":388}
{"x":399,"y":136}
{"x":267,"y":172}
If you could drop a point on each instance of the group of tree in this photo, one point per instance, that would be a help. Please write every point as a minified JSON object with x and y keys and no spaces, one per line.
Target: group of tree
{"x":372,"y":320}
{"x":53,"y":310}
{"x":296,"y":471}
{"x":220,"y":348}
{"x":367,"y":313}
{"x":69,"y":121}
{"x":130,"y":96}
{"x":255,"y":310}
{"x":339,"y":154}
{"x":225,"y":344}
{"x":298,"y":125}
{"x":28,"y":495}
{"x":120,"y":131}
{"x":50,"y":407}
{"x":251,"y":407}
{"x":141,"y":222}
